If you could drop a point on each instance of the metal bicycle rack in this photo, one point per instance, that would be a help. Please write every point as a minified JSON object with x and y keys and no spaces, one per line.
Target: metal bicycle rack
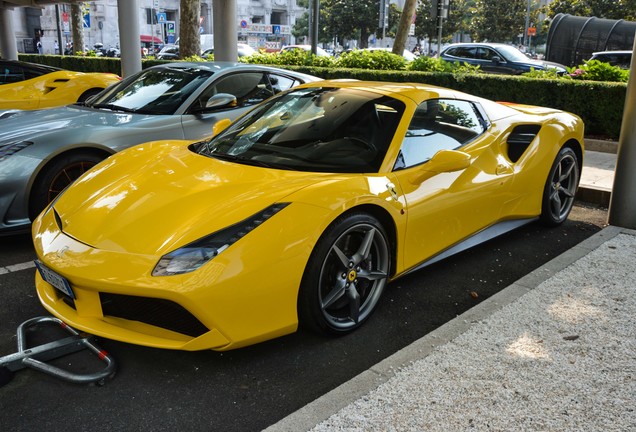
{"x":37,"y":356}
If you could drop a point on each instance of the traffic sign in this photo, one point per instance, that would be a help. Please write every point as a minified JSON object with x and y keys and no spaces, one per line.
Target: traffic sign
{"x":161,"y":17}
{"x":276,"y":29}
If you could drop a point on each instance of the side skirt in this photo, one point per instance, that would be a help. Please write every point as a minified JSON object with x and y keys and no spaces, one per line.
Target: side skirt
{"x":478,"y":238}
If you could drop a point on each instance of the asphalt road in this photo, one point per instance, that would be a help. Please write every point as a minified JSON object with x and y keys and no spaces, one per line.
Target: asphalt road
{"x":252,"y":388}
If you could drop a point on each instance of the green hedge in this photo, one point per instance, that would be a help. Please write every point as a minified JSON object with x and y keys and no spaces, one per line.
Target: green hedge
{"x":599,"y":104}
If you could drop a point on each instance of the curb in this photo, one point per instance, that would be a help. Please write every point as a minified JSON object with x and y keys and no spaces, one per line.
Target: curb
{"x":325,"y":406}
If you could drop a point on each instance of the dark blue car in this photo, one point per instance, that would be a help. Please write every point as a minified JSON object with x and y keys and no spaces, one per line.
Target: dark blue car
{"x":496,"y":58}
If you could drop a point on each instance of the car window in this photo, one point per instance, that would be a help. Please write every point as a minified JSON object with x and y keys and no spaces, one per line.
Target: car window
{"x":153,"y":91}
{"x":315,"y":129}
{"x":486,"y":54}
{"x":281,"y":83}
{"x":11,"y":74}
{"x":439,"y":124}
{"x":464,"y":52}
{"x":250,"y":88}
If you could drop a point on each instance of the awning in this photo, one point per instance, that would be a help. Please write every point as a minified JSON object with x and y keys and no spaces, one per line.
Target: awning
{"x":149,"y":39}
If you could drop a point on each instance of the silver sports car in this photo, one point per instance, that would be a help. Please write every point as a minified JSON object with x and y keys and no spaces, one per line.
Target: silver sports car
{"x":41,"y":152}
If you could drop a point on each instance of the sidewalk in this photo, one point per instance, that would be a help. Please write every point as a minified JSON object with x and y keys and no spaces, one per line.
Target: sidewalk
{"x":554,"y":351}
{"x":597,"y":176}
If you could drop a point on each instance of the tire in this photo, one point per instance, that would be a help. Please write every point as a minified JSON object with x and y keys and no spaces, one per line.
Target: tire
{"x":346,"y":275}
{"x":560,"y":188}
{"x":88,"y":94}
{"x":57,"y":175}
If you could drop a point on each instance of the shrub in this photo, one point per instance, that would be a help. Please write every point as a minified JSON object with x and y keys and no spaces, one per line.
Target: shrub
{"x":377,"y":60}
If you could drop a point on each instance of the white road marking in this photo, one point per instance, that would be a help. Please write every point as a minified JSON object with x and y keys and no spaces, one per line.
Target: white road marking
{"x":17,"y":267}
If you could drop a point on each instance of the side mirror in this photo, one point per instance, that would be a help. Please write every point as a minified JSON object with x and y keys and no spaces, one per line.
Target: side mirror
{"x":443,"y":161}
{"x":220,"y":126}
{"x":218,"y":101}
{"x":496,"y":59}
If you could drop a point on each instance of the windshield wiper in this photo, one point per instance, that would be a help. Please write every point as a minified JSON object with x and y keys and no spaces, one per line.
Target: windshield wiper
{"x":114,"y":107}
{"x":241,"y":159}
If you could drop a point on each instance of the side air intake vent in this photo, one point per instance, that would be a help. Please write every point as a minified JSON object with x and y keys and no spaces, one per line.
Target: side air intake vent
{"x":519,"y":140}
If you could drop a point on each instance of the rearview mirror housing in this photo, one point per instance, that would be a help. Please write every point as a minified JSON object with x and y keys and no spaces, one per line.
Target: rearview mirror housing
{"x":443,"y":161}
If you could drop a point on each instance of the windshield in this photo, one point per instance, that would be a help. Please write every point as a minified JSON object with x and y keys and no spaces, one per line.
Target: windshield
{"x":153,"y":91}
{"x":512,"y":53}
{"x":313,"y":129}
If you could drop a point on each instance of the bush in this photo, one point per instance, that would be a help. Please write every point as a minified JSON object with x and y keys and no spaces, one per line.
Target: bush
{"x":593,"y":70}
{"x":376,"y":60}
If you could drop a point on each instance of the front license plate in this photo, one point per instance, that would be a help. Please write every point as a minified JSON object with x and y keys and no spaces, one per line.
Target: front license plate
{"x":55,"y":279}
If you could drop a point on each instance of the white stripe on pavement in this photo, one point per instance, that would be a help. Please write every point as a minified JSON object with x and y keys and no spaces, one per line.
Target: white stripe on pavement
{"x":17,"y":267}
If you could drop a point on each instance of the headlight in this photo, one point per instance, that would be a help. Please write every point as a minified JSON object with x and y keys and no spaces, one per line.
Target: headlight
{"x":193,"y":255}
{"x":7,"y":150}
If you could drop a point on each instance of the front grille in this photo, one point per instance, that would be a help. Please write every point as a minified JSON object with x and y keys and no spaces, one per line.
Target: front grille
{"x":157,"y":312}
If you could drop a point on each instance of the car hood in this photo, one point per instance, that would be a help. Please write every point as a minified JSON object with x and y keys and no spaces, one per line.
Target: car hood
{"x":156,"y":197}
{"x":542,"y":64}
{"x":29,"y":124}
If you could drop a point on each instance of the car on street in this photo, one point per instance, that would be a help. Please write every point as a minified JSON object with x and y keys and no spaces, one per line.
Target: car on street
{"x":297,"y":213}
{"x":42,"y":151}
{"x":622,"y":59}
{"x":497,"y":58}
{"x":306,"y":48}
{"x":29,"y":86}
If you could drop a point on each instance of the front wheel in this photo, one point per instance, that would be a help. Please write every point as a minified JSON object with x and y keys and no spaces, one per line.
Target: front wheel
{"x":560,"y":188}
{"x":56,"y":176}
{"x":346,"y":275}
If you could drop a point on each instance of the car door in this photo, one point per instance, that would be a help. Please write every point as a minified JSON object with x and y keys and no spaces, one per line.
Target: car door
{"x":249,"y":87}
{"x":444,"y":208}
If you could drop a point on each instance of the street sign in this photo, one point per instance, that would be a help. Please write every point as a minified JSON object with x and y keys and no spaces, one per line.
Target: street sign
{"x":162,"y":18}
{"x":276,"y":29}
{"x":87,"y":20}
{"x":170,"y":27}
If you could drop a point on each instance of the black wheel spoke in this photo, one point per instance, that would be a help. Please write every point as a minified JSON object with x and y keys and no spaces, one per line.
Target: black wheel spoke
{"x":354,"y":303}
{"x":336,"y":293}
{"x":364,"y":249}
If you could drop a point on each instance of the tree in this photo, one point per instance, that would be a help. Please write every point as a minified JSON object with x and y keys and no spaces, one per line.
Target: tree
{"x":348,"y":19}
{"x":189,"y":41}
{"x":499,"y":21}
{"x":459,"y":17}
{"x":617,"y":9}
{"x":403,"y":28}
{"x":77,"y":21}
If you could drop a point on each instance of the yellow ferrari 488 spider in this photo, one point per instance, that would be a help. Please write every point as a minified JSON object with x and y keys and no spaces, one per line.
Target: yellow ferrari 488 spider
{"x":299,"y":212}
{"x":28,"y":86}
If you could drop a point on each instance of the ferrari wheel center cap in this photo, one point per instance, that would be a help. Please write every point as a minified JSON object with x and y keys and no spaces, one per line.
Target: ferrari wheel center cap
{"x":352,"y":276}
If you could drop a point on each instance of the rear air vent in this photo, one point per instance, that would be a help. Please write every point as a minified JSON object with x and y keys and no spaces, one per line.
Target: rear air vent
{"x":519,"y":140}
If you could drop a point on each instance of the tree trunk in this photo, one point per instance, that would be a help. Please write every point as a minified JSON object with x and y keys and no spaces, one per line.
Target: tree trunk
{"x":189,"y":41}
{"x":77,"y":22}
{"x":403,"y":28}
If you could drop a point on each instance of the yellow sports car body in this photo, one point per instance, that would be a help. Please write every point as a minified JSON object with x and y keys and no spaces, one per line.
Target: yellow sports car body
{"x":299,"y":212}
{"x":57,"y":88}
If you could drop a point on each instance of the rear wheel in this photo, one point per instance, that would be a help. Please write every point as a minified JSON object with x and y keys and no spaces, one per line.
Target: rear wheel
{"x":560,"y":188}
{"x":346,"y":275}
{"x":56,"y":176}
{"x":89,"y":94}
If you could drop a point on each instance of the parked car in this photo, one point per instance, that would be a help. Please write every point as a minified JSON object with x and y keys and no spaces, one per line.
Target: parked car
{"x":244,"y":50}
{"x":168,"y":52}
{"x":171,"y":52}
{"x":622,"y":59}
{"x":408,"y":55}
{"x":496,"y":58}
{"x":307,"y":48}
{"x":299,"y":212}
{"x":42,"y":151}
{"x":30,"y":86}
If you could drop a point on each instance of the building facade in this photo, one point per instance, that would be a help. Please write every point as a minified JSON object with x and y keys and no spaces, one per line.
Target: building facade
{"x":263,"y":24}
